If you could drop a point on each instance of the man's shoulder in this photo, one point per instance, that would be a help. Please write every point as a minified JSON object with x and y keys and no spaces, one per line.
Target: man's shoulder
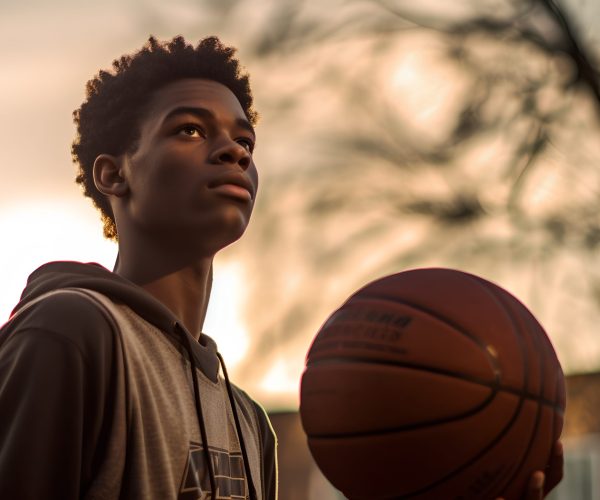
{"x":71,"y":317}
{"x":249,"y":403}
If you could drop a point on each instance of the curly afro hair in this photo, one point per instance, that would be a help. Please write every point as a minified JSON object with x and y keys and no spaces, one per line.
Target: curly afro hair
{"x":109,"y":119}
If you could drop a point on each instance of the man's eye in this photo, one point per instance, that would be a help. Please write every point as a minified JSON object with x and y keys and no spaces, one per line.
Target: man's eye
{"x":247,"y":144}
{"x":191,"y":130}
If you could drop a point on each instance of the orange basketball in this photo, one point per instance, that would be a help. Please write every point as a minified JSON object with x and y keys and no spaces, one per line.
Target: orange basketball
{"x":431,"y":384}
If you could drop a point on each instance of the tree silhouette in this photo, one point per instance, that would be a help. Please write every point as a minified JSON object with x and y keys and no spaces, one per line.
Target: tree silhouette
{"x":397,"y":135}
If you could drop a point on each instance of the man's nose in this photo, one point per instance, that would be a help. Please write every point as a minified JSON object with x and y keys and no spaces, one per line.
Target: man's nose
{"x":233,"y":153}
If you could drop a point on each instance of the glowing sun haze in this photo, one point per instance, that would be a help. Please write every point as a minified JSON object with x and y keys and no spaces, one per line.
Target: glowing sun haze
{"x":50,"y":49}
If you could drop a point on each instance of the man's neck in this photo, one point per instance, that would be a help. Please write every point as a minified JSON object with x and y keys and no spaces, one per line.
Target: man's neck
{"x":185,"y":291}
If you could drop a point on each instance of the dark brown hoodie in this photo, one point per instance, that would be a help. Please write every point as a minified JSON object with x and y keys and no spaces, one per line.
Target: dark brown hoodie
{"x":98,"y":401}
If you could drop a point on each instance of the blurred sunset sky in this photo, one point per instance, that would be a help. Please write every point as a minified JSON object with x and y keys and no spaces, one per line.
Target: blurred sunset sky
{"x":367,"y":162}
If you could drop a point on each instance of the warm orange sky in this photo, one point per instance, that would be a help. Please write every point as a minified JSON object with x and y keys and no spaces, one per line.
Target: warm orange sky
{"x":49,"y":50}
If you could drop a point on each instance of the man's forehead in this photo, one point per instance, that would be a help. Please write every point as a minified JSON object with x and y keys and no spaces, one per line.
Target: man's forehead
{"x":196,"y":92}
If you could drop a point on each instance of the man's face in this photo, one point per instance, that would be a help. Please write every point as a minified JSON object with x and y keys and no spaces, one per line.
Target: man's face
{"x":192,"y":177}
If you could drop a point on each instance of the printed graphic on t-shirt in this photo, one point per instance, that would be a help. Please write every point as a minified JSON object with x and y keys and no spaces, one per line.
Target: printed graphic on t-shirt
{"x":229,"y":475}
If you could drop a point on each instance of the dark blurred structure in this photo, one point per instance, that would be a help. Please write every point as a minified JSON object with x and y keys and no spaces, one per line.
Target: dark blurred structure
{"x":582,"y":439}
{"x":299,"y":476}
{"x":300,"y":479}
{"x":584,"y":405}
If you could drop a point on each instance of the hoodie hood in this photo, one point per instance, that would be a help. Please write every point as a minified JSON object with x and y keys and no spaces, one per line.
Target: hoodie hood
{"x":203,"y":355}
{"x":92,"y":276}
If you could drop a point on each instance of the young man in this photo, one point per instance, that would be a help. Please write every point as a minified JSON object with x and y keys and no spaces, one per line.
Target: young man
{"x":108,"y":388}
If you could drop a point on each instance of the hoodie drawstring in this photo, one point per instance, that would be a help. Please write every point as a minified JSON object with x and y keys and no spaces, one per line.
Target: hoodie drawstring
{"x":238,"y":427}
{"x":211,"y":472}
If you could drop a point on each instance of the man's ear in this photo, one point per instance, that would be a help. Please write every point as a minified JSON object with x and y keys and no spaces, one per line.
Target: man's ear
{"x":108,"y":176}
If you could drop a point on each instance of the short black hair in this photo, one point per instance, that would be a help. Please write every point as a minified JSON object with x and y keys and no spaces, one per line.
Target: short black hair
{"x":108,"y":120}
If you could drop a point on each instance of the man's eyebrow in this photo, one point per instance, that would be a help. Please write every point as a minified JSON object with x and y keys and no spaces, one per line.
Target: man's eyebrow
{"x":207,"y":114}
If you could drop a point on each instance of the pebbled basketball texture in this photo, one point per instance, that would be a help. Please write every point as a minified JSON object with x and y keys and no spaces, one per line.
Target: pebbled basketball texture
{"x":431,"y":384}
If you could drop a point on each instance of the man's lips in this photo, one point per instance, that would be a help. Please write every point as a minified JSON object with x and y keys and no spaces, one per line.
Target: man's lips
{"x":233,"y":184}
{"x":234,"y":191}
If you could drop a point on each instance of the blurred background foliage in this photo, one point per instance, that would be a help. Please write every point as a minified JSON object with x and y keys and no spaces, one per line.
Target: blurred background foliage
{"x":393,"y":135}
{"x":399,"y":135}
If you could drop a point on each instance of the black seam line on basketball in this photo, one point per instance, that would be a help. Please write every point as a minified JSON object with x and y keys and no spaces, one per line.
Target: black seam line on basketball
{"x":434,"y":314}
{"x":535,"y":341}
{"x":520,"y":321}
{"x":489,"y":487}
{"x":468,"y":463}
{"x":501,"y":435}
{"x":473,"y":459}
{"x":521,"y":344}
{"x":490,"y":291}
{"x":521,"y":399}
{"x":509,"y":475}
{"x":477,"y":456}
{"x":468,"y":413}
{"x":420,"y":425}
{"x":438,"y":371}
